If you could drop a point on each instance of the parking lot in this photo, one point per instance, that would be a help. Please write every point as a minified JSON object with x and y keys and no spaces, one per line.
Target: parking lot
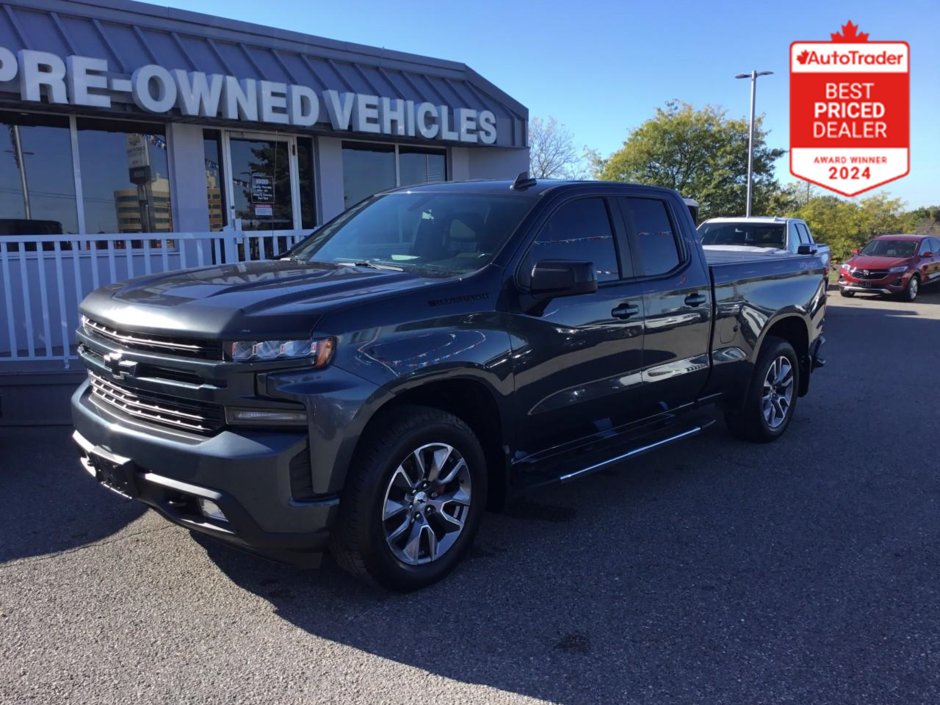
{"x":805,"y":571}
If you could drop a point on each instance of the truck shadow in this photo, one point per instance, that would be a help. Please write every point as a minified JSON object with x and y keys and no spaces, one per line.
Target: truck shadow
{"x":47,"y":502}
{"x":538,"y":608}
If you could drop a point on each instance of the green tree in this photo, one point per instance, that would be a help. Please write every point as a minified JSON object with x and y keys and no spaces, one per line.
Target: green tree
{"x":925,"y":220}
{"x":847,"y":225}
{"x":701,"y":154}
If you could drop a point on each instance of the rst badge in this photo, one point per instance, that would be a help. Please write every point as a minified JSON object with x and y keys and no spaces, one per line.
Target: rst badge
{"x":849,"y":111}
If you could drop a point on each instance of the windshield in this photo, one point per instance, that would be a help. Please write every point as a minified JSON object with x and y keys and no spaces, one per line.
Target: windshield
{"x":748,"y":234}
{"x":890,"y":248}
{"x":431,"y":233}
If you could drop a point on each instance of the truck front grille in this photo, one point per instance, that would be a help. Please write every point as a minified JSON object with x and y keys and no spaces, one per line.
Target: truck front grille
{"x":201,"y":349}
{"x":160,"y":409}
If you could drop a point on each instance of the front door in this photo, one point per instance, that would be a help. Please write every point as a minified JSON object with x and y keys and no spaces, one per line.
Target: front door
{"x":262,"y":189}
{"x":577,"y":360}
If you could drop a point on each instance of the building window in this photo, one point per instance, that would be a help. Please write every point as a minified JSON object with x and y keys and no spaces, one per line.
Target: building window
{"x":37,"y":181}
{"x":367,"y":169}
{"x":124,"y":166}
{"x":370,"y":168}
{"x":420,"y":166}
{"x":215,"y":178}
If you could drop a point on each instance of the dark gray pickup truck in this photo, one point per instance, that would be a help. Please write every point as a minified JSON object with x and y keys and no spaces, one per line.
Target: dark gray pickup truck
{"x":429,"y":353}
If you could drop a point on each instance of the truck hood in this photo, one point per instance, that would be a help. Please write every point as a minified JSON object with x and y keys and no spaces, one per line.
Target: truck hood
{"x":276,"y":297}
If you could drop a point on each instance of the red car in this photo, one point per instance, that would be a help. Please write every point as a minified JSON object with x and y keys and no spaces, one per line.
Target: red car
{"x":892,"y":264}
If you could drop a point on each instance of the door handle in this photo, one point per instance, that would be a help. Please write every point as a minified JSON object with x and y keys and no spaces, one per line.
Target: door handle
{"x":695,"y":299}
{"x":625,"y":311}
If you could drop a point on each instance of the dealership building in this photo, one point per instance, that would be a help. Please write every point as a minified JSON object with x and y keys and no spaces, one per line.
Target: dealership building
{"x":120,"y":117}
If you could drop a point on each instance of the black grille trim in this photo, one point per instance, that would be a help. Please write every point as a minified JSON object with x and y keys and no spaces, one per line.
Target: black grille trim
{"x":872,"y":273}
{"x":301,"y":478}
{"x":160,"y":409}
{"x":204,"y":350}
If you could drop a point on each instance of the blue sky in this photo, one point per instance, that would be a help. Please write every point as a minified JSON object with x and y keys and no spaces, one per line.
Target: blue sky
{"x":602,"y":67}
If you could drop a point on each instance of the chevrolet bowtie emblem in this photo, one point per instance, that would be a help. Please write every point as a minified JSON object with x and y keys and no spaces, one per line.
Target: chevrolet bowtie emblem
{"x":118,"y":365}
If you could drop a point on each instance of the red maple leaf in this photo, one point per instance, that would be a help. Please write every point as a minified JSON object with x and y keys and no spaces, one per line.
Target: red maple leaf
{"x":803,"y":56}
{"x":849,"y":33}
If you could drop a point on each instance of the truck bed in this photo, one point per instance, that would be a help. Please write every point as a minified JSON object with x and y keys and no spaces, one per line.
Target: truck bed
{"x":729,"y":268}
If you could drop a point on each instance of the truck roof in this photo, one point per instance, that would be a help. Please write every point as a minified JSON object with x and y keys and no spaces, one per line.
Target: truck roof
{"x":752,"y":219}
{"x":502,"y":186}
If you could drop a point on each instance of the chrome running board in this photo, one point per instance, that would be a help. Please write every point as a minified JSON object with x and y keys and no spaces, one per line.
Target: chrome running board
{"x":694,"y":431}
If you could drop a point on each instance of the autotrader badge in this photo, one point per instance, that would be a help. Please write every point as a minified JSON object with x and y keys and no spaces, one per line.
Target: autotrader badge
{"x":849,"y":111}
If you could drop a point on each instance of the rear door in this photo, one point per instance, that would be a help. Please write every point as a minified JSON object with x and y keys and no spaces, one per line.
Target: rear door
{"x":677,"y":297}
{"x":929,"y":266}
{"x":578,"y":360}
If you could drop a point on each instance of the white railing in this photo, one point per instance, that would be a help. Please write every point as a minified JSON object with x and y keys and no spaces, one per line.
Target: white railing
{"x":43,"y":278}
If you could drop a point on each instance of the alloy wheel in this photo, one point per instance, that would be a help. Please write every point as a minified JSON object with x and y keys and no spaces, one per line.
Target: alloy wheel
{"x":777,"y":397}
{"x":426,"y":503}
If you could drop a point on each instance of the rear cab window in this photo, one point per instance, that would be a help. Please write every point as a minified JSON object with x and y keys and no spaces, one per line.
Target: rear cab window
{"x":653,"y":235}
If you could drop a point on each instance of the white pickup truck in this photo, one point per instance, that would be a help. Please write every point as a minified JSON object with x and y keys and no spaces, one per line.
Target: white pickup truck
{"x":772,"y":235}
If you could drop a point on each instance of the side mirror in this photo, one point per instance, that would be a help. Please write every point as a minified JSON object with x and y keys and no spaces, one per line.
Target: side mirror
{"x":927,"y":254}
{"x":551,"y":278}
{"x":856,"y":251}
{"x":806,"y":250}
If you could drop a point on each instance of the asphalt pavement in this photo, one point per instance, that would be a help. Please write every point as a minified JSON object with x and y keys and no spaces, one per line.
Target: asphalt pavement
{"x":804,"y":571}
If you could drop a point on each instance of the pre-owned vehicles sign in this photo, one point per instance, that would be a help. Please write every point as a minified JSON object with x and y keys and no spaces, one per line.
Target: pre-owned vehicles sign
{"x":849,"y":111}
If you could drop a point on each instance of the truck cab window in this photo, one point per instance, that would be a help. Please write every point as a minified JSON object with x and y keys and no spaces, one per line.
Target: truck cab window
{"x":579,"y":230}
{"x":805,"y":238}
{"x":649,"y":223}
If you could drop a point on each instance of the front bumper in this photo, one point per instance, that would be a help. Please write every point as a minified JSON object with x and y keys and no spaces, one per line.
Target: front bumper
{"x":247,"y":474}
{"x":891,"y":284}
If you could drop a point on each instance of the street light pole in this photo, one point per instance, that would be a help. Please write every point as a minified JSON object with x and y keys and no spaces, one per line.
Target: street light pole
{"x":750,"y":136}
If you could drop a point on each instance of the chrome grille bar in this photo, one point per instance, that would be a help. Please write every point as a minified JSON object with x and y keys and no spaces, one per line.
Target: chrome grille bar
{"x":207,"y":350}
{"x":155,"y":408}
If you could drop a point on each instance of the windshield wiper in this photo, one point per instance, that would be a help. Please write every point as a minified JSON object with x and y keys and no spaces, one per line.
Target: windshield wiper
{"x":371,"y":265}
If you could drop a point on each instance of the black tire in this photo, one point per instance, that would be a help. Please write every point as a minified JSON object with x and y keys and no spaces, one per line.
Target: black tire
{"x":361,"y":541}
{"x":846,"y":293}
{"x":750,"y":422}
{"x":912,"y":288}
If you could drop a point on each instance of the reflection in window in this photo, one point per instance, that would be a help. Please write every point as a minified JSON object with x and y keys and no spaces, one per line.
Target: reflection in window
{"x":37,"y":185}
{"x":578,"y":231}
{"x":125,"y":177}
{"x":367,"y":169}
{"x":215,"y":192}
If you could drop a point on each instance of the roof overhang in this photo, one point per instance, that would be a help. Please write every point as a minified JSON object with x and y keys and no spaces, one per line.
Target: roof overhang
{"x":116,"y":57}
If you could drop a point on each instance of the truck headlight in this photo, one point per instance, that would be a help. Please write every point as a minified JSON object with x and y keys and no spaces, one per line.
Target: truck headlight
{"x":898,"y":269}
{"x":318,"y":350}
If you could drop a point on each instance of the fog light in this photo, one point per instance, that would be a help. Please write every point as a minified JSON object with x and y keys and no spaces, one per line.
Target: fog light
{"x":260,"y":417}
{"x":210,"y":510}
